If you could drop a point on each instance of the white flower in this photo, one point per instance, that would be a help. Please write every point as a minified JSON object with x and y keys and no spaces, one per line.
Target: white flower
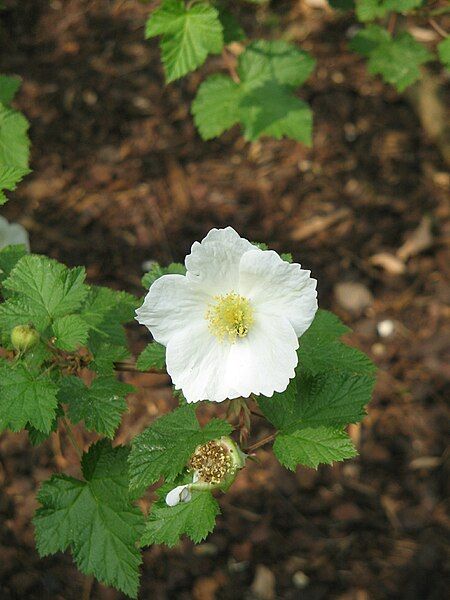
{"x":231,"y":324}
{"x":12,"y":233}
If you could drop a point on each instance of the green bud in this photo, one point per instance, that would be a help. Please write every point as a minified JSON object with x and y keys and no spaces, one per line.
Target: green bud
{"x":24,"y":337}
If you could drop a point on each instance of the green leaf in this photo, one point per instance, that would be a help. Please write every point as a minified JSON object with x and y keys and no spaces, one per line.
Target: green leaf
{"x":274,"y":61}
{"x":232,"y":29}
{"x":216,"y":106}
{"x":263,"y":102}
{"x":189,"y":34}
{"x":38,"y":437}
{"x":332,"y":399}
{"x":70,"y":332}
{"x":14,"y":142}
{"x":368,"y":10}
{"x":272,"y":110}
{"x":321,"y":351}
{"x":95,"y":518}
{"x":153,"y":357}
{"x":44,"y":290}
{"x":196,"y":519}
{"x":280,"y":409}
{"x":9,"y":178}
{"x":398,"y":60}
{"x":368,"y":39}
{"x":9,"y":257}
{"x":444,"y":52}
{"x":106,"y":355}
{"x":26,"y":397}
{"x":164,"y":448}
{"x":105,"y":310}
{"x":100,"y":406}
{"x":402,"y":6}
{"x":313,"y":446}
{"x":9,"y":86}
{"x":157,"y":271}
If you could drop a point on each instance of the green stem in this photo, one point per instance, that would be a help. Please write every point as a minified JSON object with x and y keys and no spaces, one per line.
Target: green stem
{"x":71,"y":437}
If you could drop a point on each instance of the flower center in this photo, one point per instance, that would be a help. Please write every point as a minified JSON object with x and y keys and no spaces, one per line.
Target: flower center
{"x":212,"y":461}
{"x":230,"y":317}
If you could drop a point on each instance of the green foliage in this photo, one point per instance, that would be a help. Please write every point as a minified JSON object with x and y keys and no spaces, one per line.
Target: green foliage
{"x":332,"y":386}
{"x":263,"y":101}
{"x":9,"y":257}
{"x":100,"y":406}
{"x":164,"y":448}
{"x":157,"y":271}
{"x":195,"y":518}
{"x":95,"y":518}
{"x":14,"y":142}
{"x":369,"y":10}
{"x":26,"y":396}
{"x":397,"y":59}
{"x":444,"y":52}
{"x":189,"y":33}
{"x":311,"y":446}
{"x":70,"y":332}
{"x":321,"y":350}
{"x":9,"y":86}
{"x":153,"y":357}
{"x":40,"y":290}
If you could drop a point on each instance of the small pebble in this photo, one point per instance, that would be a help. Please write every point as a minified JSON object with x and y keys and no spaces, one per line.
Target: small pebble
{"x":385,"y":328}
{"x":300,"y":580}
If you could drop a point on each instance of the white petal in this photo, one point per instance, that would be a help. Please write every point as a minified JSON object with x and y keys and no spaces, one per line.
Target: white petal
{"x":171,"y":305}
{"x":179,"y":494}
{"x":196,"y":361}
{"x":264,"y":361}
{"x":276,"y":287}
{"x":261,"y":363}
{"x":12,"y":233}
{"x":214,"y":263}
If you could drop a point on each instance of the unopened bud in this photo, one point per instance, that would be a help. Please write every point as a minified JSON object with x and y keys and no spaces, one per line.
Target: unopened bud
{"x":24,"y":337}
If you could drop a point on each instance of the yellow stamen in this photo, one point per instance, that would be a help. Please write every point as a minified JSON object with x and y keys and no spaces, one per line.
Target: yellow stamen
{"x":212,"y":461}
{"x":230,"y":317}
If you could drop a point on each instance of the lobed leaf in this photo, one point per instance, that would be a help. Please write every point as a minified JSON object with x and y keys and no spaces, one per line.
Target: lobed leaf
{"x":100,"y":406}
{"x":196,"y":519}
{"x":189,"y":33}
{"x":153,"y":357}
{"x":311,"y":446}
{"x":263,"y":101}
{"x":95,"y":518}
{"x":26,"y":397}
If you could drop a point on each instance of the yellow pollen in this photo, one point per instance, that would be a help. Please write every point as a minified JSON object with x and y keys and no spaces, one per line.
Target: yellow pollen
{"x":230,"y":317}
{"x":212,"y":461}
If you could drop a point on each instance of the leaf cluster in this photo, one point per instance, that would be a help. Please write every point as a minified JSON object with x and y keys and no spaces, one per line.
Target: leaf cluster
{"x":14,"y":141}
{"x":332,"y":386}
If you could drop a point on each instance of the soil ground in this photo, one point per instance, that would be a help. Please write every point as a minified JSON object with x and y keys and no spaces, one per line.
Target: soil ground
{"x":120,"y":176}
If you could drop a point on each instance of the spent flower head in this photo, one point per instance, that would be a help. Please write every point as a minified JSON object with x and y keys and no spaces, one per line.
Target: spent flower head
{"x":214,"y":465}
{"x":231,"y":324}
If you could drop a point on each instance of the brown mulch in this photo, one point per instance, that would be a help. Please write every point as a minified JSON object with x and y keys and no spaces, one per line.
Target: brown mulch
{"x":120,"y":176}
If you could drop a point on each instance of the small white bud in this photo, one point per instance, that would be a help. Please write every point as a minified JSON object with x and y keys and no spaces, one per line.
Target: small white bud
{"x":179,"y":494}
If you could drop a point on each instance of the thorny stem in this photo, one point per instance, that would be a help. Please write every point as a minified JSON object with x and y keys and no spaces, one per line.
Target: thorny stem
{"x":71,"y":437}
{"x":262,"y":442}
{"x":130,"y":365}
{"x":392,"y":23}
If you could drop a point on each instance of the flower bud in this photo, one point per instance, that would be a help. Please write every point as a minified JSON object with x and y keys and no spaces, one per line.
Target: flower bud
{"x":24,"y":337}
